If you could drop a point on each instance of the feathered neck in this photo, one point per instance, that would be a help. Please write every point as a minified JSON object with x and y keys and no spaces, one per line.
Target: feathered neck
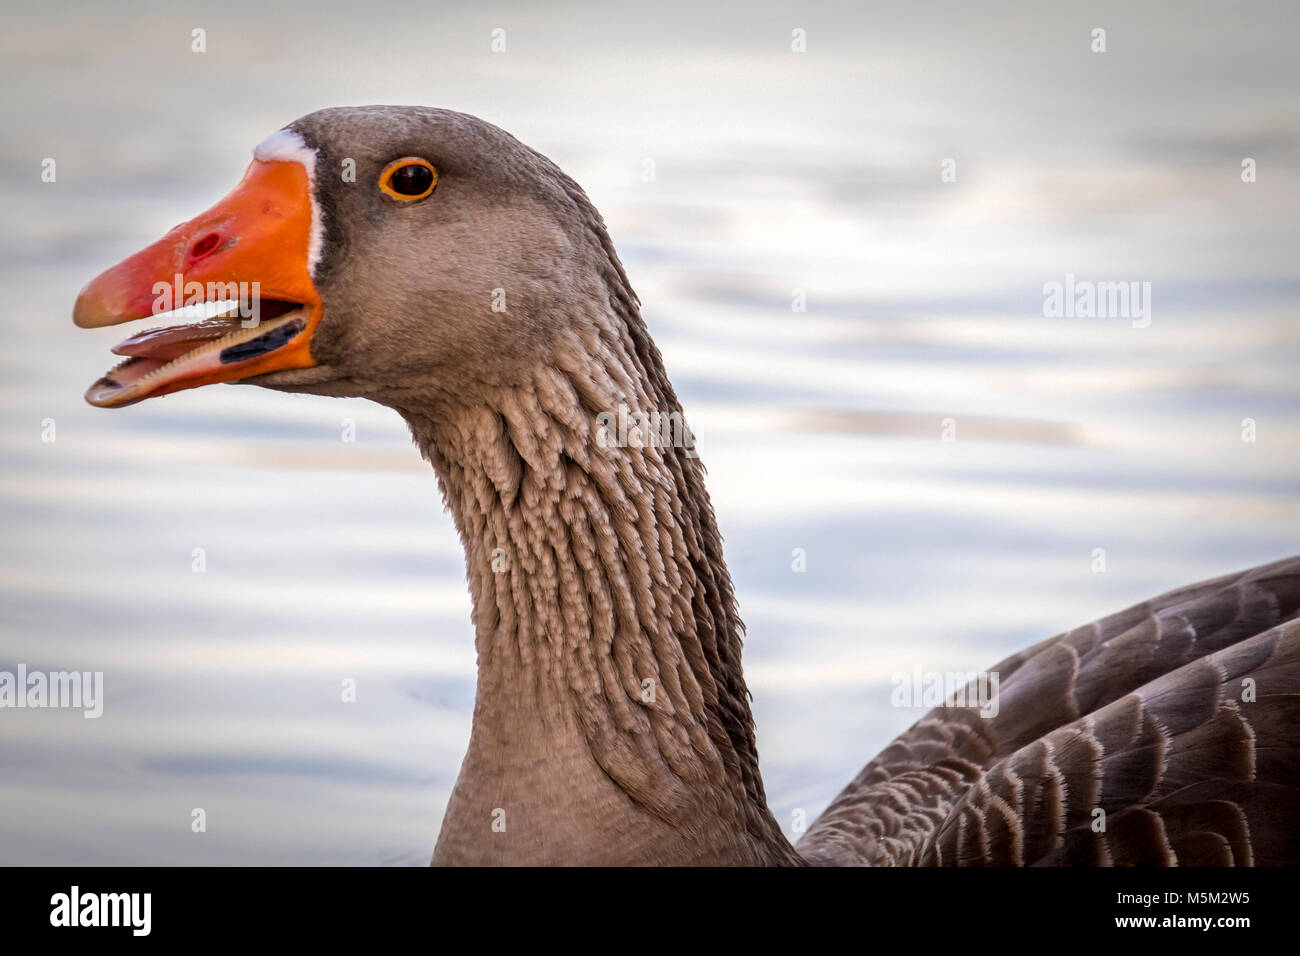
{"x":612,"y":721}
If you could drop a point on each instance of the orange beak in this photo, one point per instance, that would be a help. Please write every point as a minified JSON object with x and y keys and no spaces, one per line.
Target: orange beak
{"x":240,"y":269}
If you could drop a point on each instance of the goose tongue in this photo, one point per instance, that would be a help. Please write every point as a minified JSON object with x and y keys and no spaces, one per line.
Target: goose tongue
{"x":173,"y":341}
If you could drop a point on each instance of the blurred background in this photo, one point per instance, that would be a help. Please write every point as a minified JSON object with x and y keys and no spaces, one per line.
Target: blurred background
{"x":734,"y":173}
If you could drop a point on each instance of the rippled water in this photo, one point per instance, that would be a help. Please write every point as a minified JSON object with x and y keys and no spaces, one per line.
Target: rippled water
{"x":774,"y":171}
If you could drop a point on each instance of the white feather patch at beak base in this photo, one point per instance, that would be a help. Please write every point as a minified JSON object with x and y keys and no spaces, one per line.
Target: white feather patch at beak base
{"x":288,"y":146}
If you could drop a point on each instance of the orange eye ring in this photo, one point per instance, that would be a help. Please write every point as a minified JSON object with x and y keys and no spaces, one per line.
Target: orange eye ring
{"x":415,"y":178}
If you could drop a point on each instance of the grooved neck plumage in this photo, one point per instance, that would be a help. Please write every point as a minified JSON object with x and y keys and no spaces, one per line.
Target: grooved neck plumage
{"x":611,"y":712}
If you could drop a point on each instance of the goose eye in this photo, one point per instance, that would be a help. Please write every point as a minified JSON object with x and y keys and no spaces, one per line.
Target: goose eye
{"x":408,"y":179}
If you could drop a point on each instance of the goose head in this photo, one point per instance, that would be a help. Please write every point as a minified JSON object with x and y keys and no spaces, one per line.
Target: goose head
{"x":368,"y":251}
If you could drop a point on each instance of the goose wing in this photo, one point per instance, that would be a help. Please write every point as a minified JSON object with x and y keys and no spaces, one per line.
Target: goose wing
{"x":1168,"y":733}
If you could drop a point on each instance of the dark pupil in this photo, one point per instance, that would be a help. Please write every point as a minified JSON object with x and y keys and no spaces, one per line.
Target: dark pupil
{"x":411,"y":180}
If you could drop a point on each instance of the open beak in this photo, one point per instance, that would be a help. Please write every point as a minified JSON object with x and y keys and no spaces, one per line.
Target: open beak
{"x":236,"y":277}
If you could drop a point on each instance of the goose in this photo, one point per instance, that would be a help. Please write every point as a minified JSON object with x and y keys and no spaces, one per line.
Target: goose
{"x":429,"y":261}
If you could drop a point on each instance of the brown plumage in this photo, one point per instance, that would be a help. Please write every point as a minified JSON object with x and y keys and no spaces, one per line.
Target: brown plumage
{"x":1178,"y":719}
{"x":612,"y":720}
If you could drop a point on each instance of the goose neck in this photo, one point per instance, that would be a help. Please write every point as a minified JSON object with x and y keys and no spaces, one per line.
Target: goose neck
{"x":611,"y":714}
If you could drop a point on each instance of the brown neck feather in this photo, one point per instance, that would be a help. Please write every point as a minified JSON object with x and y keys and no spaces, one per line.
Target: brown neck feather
{"x":611,"y":713}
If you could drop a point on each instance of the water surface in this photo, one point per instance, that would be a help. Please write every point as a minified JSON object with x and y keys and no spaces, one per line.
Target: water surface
{"x":773,"y":172}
